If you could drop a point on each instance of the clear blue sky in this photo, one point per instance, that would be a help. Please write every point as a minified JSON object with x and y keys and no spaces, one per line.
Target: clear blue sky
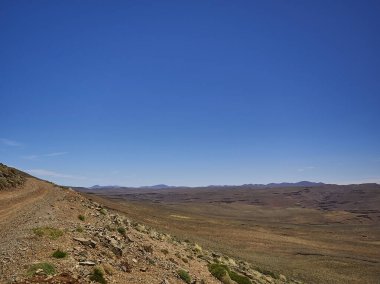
{"x":191,"y":92}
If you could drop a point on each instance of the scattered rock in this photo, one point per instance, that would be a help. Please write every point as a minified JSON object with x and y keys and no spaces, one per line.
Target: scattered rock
{"x":148,"y":248}
{"x":126,"y":267}
{"x":87,"y":263}
{"x":86,"y":242}
{"x":39,"y":271}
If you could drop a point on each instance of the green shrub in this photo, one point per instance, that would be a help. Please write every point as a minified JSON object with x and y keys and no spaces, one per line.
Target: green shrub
{"x":240,"y":279}
{"x":81,"y":217}
{"x":46,"y":267}
{"x":79,"y":229}
{"x":220,"y":271}
{"x":52,"y":233}
{"x":121,"y":230}
{"x":184,"y":275}
{"x":151,"y":261}
{"x":97,"y":275}
{"x":59,"y":254}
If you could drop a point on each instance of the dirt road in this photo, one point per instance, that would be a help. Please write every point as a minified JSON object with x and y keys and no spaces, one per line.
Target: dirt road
{"x":20,"y":210}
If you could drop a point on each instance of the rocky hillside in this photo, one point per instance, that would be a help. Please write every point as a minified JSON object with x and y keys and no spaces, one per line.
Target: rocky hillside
{"x":10,"y":177}
{"x":50,"y":234}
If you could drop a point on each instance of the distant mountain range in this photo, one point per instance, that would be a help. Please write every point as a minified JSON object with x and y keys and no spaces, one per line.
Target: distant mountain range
{"x":157,"y":186}
{"x":104,"y":186}
{"x":288,"y":184}
{"x":269,"y":185}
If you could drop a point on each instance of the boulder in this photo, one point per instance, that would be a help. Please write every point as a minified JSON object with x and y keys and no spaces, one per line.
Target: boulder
{"x":86,"y":242}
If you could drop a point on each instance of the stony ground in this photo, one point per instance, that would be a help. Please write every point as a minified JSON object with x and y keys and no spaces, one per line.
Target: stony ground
{"x":40,"y":219}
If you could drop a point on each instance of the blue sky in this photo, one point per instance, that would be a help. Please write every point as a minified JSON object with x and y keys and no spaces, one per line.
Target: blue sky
{"x":191,"y":92}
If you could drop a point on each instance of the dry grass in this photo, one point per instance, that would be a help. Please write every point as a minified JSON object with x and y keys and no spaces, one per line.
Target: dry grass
{"x":52,"y":233}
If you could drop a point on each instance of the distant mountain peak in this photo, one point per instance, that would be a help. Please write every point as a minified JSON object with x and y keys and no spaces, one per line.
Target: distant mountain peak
{"x":157,"y":186}
{"x":96,"y":186}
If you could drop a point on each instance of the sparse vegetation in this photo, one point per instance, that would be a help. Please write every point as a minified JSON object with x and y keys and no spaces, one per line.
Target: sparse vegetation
{"x":79,"y":229}
{"x":197,"y":248}
{"x":218,"y":270}
{"x":121,"y":230}
{"x":184,"y":275}
{"x":97,"y":275}
{"x":224,"y":274}
{"x":81,"y":217}
{"x":52,"y":233}
{"x":238,"y":278}
{"x":47,"y":268}
{"x":151,"y":261}
{"x":59,"y":254}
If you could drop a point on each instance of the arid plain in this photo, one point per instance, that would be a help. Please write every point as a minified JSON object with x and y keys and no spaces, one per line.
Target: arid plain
{"x":324,"y":234}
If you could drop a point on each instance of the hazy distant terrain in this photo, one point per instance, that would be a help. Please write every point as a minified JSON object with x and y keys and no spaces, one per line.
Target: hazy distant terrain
{"x":323,"y":234}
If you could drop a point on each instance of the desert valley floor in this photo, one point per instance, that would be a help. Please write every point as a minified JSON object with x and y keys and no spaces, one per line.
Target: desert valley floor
{"x":326,"y":234}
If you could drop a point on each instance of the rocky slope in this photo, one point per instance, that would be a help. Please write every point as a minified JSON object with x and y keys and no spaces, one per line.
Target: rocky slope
{"x":50,"y":234}
{"x":10,"y":177}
